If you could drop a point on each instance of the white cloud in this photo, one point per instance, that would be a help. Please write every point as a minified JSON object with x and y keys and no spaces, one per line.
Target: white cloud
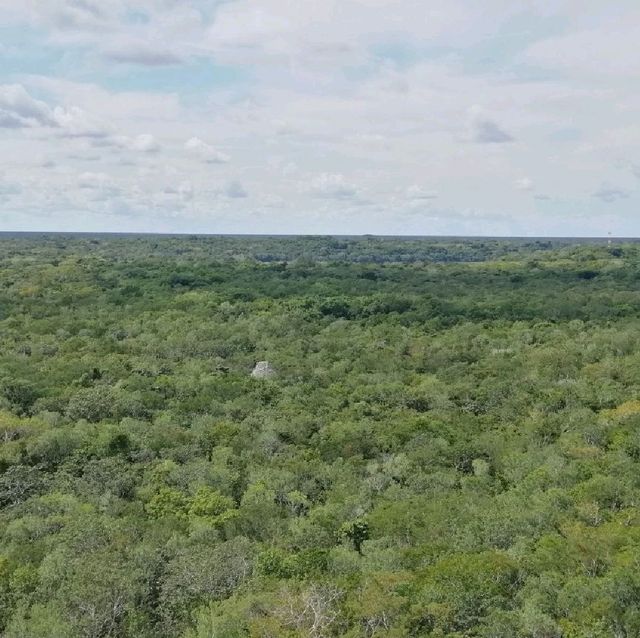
{"x":144,"y":143}
{"x":313,"y":33}
{"x":318,"y":104}
{"x":10,"y":120}
{"x":418,"y":193}
{"x":9,"y":188}
{"x":125,"y":111}
{"x":609,"y":49}
{"x":205,"y":151}
{"x":74,"y":122}
{"x":84,"y":156}
{"x":485,"y":130}
{"x":72,"y":14}
{"x":92,"y":180}
{"x":143,"y":54}
{"x":337,"y":32}
{"x":235,"y":190}
{"x":332,"y":186}
{"x":611,"y":194}
{"x":19,"y":110}
{"x":632,"y":167}
{"x":523,"y":184}
{"x":184,"y":190}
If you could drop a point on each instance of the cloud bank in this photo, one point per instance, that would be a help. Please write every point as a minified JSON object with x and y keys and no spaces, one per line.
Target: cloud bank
{"x":340,"y":116}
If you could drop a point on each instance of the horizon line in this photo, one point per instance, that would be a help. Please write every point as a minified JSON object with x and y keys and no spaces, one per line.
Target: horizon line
{"x":319,"y":235}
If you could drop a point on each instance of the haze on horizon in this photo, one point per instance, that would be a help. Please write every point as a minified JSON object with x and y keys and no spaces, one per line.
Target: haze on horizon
{"x":336,"y":116}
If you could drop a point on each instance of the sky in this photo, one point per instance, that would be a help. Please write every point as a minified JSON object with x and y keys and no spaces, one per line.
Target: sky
{"x":321,"y":116}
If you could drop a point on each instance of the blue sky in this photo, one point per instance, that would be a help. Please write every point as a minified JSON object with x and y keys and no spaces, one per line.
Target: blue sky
{"x":322,"y":116}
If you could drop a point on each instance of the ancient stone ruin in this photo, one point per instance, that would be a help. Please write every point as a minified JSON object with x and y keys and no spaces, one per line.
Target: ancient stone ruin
{"x":263,"y":370}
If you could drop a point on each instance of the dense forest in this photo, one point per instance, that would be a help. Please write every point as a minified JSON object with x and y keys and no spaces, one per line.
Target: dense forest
{"x":448,"y":446}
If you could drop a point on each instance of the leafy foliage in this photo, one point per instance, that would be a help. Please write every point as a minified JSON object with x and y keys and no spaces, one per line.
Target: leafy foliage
{"x":449,"y":446}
